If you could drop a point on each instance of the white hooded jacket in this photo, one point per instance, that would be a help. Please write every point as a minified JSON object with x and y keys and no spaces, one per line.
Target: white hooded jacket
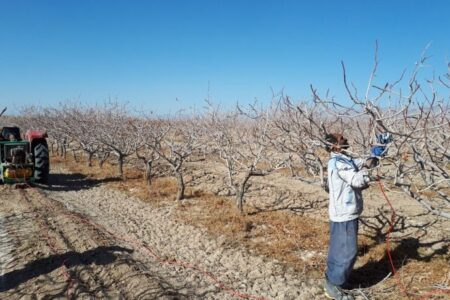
{"x":346,"y":181}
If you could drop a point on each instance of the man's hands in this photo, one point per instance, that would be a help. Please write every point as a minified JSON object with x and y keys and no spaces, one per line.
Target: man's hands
{"x":371,"y":162}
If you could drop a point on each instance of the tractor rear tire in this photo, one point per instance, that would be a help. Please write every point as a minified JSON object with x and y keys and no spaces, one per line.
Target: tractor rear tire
{"x":41,"y":162}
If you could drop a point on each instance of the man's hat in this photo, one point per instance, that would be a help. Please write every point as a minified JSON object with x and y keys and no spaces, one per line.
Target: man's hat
{"x":336,"y":142}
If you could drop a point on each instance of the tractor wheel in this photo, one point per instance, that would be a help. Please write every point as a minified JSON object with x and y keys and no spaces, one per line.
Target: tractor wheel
{"x":41,"y":162}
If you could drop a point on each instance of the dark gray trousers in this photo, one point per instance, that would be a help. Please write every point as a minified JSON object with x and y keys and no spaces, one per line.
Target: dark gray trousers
{"x":342,"y":251}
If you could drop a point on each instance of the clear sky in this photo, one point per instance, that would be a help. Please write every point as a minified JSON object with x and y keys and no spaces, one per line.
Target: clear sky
{"x":162,"y":55}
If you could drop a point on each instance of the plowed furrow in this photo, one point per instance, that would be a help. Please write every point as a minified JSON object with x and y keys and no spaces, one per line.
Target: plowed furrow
{"x":47,"y":251}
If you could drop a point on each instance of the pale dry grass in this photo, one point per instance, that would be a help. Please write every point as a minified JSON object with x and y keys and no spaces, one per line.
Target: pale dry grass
{"x":279,"y":235}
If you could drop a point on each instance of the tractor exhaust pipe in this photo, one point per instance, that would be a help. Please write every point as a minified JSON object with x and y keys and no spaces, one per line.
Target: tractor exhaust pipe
{"x":3,"y":111}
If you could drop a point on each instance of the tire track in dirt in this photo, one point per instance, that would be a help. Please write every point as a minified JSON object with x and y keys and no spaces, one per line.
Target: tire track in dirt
{"x":130,"y":275}
{"x":40,"y":240}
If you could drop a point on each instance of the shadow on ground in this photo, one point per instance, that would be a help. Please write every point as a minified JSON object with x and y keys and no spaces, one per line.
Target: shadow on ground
{"x":98,"y":256}
{"x":301,"y":204}
{"x":104,"y":255}
{"x":407,"y":250}
{"x":74,"y":182}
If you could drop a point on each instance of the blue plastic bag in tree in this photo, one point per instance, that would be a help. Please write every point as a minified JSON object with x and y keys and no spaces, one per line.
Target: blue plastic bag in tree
{"x":384,"y":138}
{"x":379,"y":151}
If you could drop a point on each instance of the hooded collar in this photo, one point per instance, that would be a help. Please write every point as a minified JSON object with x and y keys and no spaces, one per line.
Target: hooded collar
{"x":344,"y":158}
{"x":341,"y":155}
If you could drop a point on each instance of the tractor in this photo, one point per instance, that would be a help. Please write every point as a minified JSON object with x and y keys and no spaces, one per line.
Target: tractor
{"x":23,"y":161}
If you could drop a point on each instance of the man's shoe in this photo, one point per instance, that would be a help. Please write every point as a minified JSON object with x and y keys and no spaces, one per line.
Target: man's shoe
{"x":335,"y":292}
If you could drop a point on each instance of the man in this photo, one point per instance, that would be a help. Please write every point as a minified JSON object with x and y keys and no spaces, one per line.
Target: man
{"x":346,"y":180}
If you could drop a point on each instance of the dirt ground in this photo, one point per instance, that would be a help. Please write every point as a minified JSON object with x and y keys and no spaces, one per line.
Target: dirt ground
{"x":84,"y":237}
{"x":79,"y":239}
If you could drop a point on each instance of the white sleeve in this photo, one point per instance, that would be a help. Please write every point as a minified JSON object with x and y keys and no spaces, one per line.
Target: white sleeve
{"x":355,"y":179}
{"x":359,"y":162}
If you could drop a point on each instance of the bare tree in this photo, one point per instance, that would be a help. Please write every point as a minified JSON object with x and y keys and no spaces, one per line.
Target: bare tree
{"x":145,"y":129}
{"x":173,"y":139}
{"x":242,"y":140}
{"x":416,"y":113}
{"x":78,"y":122}
{"x":299,"y":130}
{"x":116,"y":131}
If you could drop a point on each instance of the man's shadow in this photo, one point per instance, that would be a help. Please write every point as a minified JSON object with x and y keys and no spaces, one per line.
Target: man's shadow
{"x":99,"y":256}
{"x":374,"y":271}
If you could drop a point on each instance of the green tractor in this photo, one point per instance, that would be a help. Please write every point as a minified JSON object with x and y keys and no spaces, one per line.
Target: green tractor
{"x":23,"y":161}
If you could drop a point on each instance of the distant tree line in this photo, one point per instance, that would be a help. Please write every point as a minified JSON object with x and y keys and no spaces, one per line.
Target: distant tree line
{"x":257,"y":139}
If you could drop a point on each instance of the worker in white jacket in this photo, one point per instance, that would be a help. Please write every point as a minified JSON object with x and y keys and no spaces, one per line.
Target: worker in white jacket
{"x":346,"y":180}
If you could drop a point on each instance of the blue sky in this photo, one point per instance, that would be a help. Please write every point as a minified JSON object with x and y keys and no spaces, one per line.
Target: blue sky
{"x":163,"y":55}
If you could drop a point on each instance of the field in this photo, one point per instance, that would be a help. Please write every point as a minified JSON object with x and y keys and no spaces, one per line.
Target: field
{"x":90,"y":234}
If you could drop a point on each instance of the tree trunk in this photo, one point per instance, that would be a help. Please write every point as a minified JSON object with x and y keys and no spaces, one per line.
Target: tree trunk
{"x":148,"y":172}
{"x":61,"y":150}
{"x":120,"y":165}
{"x":323,"y":178}
{"x":74,"y":154}
{"x":240,"y":199}
{"x":90,"y":155}
{"x":240,"y":192}
{"x":102,"y":159}
{"x":291,"y":168}
{"x":181,"y":186}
